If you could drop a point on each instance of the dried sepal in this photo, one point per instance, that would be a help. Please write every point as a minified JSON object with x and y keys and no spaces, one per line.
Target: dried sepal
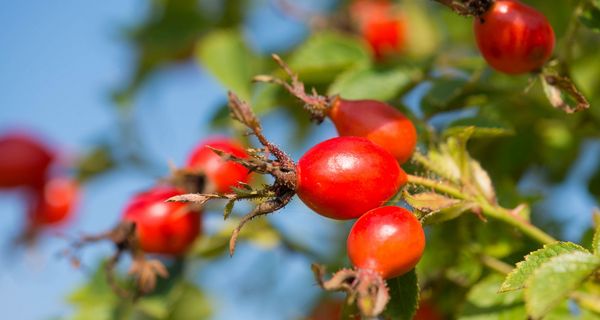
{"x":366,"y":288}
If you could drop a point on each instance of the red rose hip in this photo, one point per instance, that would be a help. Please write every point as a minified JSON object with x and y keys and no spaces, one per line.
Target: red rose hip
{"x":380,"y":25}
{"x":388,"y":240}
{"x":24,"y":161}
{"x":55,"y":202}
{"x":379,"y":122}
{"x":344,"y":177}
{"x":513,"y":37}
{"x":220,"y":173}
{"x":163,"y":227}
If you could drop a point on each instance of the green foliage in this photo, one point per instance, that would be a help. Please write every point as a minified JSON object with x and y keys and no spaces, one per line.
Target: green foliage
{"x":519,"y":276}
{"x":325,"y":55}
{"x":368,"y":83}
{"x":596,"y":242}
{"x":590,"y":16}
{"x":554,"y":280}
{"x":404,"y":294}
{"x":226,"y":56}
{"x":174,"y":299}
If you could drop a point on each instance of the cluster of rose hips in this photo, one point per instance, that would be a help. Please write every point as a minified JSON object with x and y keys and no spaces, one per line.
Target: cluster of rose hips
{"x":151,"y":225}
{"x":29,"y":165}
{"x":513,"y":38}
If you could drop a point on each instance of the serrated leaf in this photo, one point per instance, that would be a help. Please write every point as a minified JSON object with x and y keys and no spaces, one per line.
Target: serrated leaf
{"x":596,"y":242}
{"x":225,"y":55}
{"x":404,"y":296}
{"x":368,"y":83}
{"x":554,"y":280}
{"x":325,"y":55}
{"x":484,"y":303}
{"x":517,"y":278}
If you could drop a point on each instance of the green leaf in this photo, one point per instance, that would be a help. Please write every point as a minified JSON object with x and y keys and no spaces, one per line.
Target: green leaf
{"x":368,"y":83}
{"x":429,"y":201}
{"x":443,"y":90}
{"x":448,"y":213}
{"x":484,"y":303}
{"x":325,"y":55}
{"x":188,"y":302}
{"x":554,"y":280}
{"x":225,"y":55}
{"x":524,"y":269}
{"x":596,"y":242}
{"x":404,"y":296}
{"x":228,"y":209}
{"x":482,"y":128}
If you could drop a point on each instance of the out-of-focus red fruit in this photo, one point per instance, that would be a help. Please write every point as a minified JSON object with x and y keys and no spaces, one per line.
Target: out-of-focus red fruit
{"x":220,"y":173}
{"x":382,"y":26}
{"x":427,"y":311}
{"x":24,"y":161}
{"x":55,"y":203}
{"x":163,"y":227}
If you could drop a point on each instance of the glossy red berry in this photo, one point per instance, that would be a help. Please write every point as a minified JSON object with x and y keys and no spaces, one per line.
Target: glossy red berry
{"x":344,"y":177}
{"x":513,"y":37}
{"x":24,"y":161}
{"x":55,"y":203}
{"x":163,"y":227}
{"x":379,"y":122}
{"x":380,"y":25}
{"x":388,"y":240}
{"x":221,"y":174}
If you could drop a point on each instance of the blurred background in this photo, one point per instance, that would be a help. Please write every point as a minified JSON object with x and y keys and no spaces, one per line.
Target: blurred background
{"x":120,"y":88}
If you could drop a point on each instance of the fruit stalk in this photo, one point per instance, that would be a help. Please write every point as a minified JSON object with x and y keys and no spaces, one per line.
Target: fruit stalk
{"x":493,"y":211}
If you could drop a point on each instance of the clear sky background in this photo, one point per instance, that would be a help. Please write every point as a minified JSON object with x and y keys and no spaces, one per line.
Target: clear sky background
{"x":58,"y":62}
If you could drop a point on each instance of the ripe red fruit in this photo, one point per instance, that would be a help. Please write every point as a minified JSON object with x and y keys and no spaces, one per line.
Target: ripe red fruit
{"x":55,"y":202}
{"x":379,"y":122}
{"x":163,"y":227}
{"x":344,"y":177}
{"x":388,"y":240}
{"x":427,"y":311}
{"x":513,"y":37}
{"x":380,"y":25}
{"x":220,"y":173}
{"x":24,"y":161}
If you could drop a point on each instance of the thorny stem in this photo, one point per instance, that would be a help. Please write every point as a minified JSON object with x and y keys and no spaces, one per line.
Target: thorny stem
{"x":124,"y":238}
{"x":283,"y":169}
{"x":490,"y":210}
{"x":318,"y":106}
